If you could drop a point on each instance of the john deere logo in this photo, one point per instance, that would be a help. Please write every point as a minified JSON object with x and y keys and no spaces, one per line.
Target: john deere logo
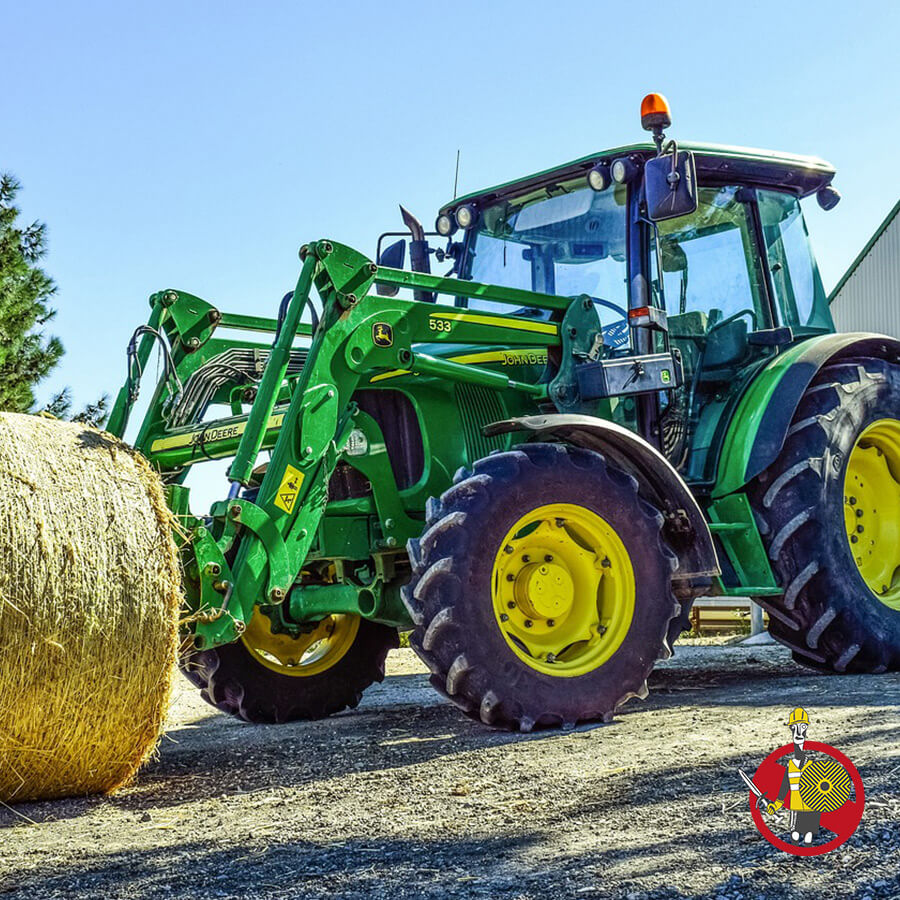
{"x":382,"y":334}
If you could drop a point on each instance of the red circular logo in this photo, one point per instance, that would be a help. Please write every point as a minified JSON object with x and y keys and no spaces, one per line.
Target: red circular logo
{"x":842,"y":822}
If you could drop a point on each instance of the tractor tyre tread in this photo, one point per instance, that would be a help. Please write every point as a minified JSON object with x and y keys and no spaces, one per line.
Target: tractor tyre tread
{"x":233,"y":681}
{"x":827,"y":616}
{"x":496,"y":687}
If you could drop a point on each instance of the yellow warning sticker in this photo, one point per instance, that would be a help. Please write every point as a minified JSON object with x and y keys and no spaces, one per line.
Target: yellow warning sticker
{"x":289,"y":489}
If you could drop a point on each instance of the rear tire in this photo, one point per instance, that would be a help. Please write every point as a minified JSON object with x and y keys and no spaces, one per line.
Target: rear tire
{"x":233,"y":679}
{"x":457,"y":596}
{"x":828,"y":615}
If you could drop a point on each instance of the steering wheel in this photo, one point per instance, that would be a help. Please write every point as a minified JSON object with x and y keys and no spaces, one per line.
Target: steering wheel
{"x":615,"y":335}
{"x":610,"y":305}
{"x":729,"y":319}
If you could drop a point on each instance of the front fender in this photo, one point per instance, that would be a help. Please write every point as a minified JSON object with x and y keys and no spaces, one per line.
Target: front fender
{"x":686,"y":528}
{"x":760,"y":423}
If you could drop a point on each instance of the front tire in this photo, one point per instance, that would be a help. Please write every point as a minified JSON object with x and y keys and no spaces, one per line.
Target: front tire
{"x":271,"y":678}
{"x":829,"y":513}
{"x":541,"y":588}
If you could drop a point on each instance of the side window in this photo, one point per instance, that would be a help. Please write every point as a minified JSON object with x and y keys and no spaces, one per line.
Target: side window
{"x":799,"y":295}
{"x":710,"y":271}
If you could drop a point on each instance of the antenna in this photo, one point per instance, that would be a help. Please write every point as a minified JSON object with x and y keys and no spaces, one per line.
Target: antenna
{"x":456,"y":176}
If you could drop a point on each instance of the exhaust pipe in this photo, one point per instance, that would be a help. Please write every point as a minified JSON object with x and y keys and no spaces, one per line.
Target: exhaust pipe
{"x":418,"y":252}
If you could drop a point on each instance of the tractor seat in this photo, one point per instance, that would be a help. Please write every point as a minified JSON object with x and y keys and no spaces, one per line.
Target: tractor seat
{"x":724,"y":350}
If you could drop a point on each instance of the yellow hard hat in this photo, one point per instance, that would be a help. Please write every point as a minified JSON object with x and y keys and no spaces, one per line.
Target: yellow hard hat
{"x":798,"y":715}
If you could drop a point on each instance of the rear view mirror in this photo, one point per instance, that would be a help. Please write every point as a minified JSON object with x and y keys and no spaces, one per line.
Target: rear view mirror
{"x":392,"y":257}
{"x":670,"y":185}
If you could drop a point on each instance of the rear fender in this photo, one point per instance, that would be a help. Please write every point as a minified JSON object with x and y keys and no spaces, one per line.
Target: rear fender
{"x":685,"y":528}
{"x":760,"y":423}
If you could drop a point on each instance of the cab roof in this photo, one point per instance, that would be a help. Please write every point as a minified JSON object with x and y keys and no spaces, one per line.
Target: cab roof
{"x":716,"y":163}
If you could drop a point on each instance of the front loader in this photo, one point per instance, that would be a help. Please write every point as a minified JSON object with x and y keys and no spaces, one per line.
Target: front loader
{"x":626,"y":392}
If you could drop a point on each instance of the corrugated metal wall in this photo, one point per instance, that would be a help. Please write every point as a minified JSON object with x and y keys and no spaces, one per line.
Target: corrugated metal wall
{"x":869,"y":298}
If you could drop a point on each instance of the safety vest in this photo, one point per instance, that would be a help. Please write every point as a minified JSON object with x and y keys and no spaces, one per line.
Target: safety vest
{"x":794,"y":800}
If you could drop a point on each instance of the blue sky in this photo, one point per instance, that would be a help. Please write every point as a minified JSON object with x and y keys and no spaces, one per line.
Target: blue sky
{"x":197,"y":145}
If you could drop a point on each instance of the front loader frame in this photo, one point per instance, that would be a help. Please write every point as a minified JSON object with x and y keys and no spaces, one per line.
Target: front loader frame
{"x":306,"y":421}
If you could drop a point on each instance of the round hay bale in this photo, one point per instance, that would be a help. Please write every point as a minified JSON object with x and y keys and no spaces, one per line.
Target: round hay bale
{"x":89,"y":597}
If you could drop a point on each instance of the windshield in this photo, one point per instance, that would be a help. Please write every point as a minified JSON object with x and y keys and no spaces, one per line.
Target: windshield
{"x":565,"y":239}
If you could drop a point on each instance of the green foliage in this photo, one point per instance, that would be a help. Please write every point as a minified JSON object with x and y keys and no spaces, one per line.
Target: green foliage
{"x":26,"y":354}
{"x":60,"y":407}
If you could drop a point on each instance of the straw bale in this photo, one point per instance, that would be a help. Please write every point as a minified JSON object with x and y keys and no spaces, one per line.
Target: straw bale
{"x":89,"y":597}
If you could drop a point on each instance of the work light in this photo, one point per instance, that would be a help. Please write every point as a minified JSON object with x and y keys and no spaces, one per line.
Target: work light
{"x":623,"y":170}
{"x":599,"y":177}
{"x":465,"y":216}
{"x":445,"y":225}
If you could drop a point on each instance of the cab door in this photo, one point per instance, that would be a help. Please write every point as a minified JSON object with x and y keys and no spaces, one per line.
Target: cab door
{"x":707,"y":272}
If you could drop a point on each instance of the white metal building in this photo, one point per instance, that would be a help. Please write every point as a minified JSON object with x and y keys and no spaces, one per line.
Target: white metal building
{"x":867,"y":298}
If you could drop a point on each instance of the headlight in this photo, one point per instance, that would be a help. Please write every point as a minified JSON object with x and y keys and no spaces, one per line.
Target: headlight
{"x":465,"y":216}
{"x":599,"y":178}
{"x":445,"y":225}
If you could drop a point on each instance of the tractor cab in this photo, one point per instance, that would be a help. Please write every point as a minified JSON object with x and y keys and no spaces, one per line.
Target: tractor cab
{"x":691,"y":249}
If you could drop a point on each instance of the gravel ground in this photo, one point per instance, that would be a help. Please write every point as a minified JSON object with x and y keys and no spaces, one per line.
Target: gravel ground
{"x":405,"y":797}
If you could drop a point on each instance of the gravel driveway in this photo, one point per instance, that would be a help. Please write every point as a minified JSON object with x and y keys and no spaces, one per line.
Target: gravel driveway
{"x":404,"y":797}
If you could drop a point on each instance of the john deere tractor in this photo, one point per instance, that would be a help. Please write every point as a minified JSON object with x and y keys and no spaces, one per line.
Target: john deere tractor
{"x":620,"y":388}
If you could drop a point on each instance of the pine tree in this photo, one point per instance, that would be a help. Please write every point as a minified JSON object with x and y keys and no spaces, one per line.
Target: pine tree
{"x":60,"y":407}
{"x":26,"y":354}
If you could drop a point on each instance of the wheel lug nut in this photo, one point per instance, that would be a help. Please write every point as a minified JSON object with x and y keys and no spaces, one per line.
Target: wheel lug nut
{"x":526,"y":558}
{"x":528,"y":623}
{"x":859,"y":513}
{"x":510,"y":577}
{"x":508,"y":548}
{"x":853,"y":538}
{"x":551,"y":622}
{"x":504,"y":617}
{"x":548,"y":558}
{"x":860,"y":529}
{"x":853,"y":501}
{"x":511,"y":604}
{"x":606,"y":563}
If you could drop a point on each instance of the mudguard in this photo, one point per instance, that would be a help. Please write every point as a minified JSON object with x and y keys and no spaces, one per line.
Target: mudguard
{"x":760,"y":423}
{"x":685,"y":529}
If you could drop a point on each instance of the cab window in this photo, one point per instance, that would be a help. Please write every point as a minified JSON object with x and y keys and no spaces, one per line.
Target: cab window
{"x":710,"y":269}
{"x":798,"y":293}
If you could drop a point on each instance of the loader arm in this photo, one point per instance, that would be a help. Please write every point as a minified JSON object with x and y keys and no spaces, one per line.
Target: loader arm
{"x":252,"y":553}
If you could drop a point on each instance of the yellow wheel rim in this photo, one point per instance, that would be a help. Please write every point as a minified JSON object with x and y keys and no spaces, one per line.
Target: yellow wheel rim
{"x":305,"y":655}
{"x":872,"y":508}
{"x":563,"y":590}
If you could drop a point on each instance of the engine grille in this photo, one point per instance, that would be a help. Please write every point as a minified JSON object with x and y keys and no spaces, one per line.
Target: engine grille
{"x":479,"y":406}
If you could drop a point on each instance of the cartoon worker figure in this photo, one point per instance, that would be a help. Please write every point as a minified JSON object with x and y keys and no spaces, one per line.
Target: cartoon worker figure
{"x":804,"y":821}
{"x":807,"y":788}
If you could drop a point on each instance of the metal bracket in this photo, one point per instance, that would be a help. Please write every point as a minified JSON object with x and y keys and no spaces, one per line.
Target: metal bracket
{"x":579,"y":331}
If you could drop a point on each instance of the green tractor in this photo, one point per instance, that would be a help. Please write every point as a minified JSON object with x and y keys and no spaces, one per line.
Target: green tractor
{"x":627,"y":391}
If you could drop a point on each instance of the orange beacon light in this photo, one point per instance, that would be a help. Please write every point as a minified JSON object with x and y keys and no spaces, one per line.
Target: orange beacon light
{"x":655,"y":112}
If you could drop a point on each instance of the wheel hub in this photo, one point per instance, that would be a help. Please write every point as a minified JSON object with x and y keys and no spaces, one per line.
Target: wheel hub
{"x":303,"y":655}
{"x":563,"y":589}
{"x":872,"y":508}
{"x":545,"y":590}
